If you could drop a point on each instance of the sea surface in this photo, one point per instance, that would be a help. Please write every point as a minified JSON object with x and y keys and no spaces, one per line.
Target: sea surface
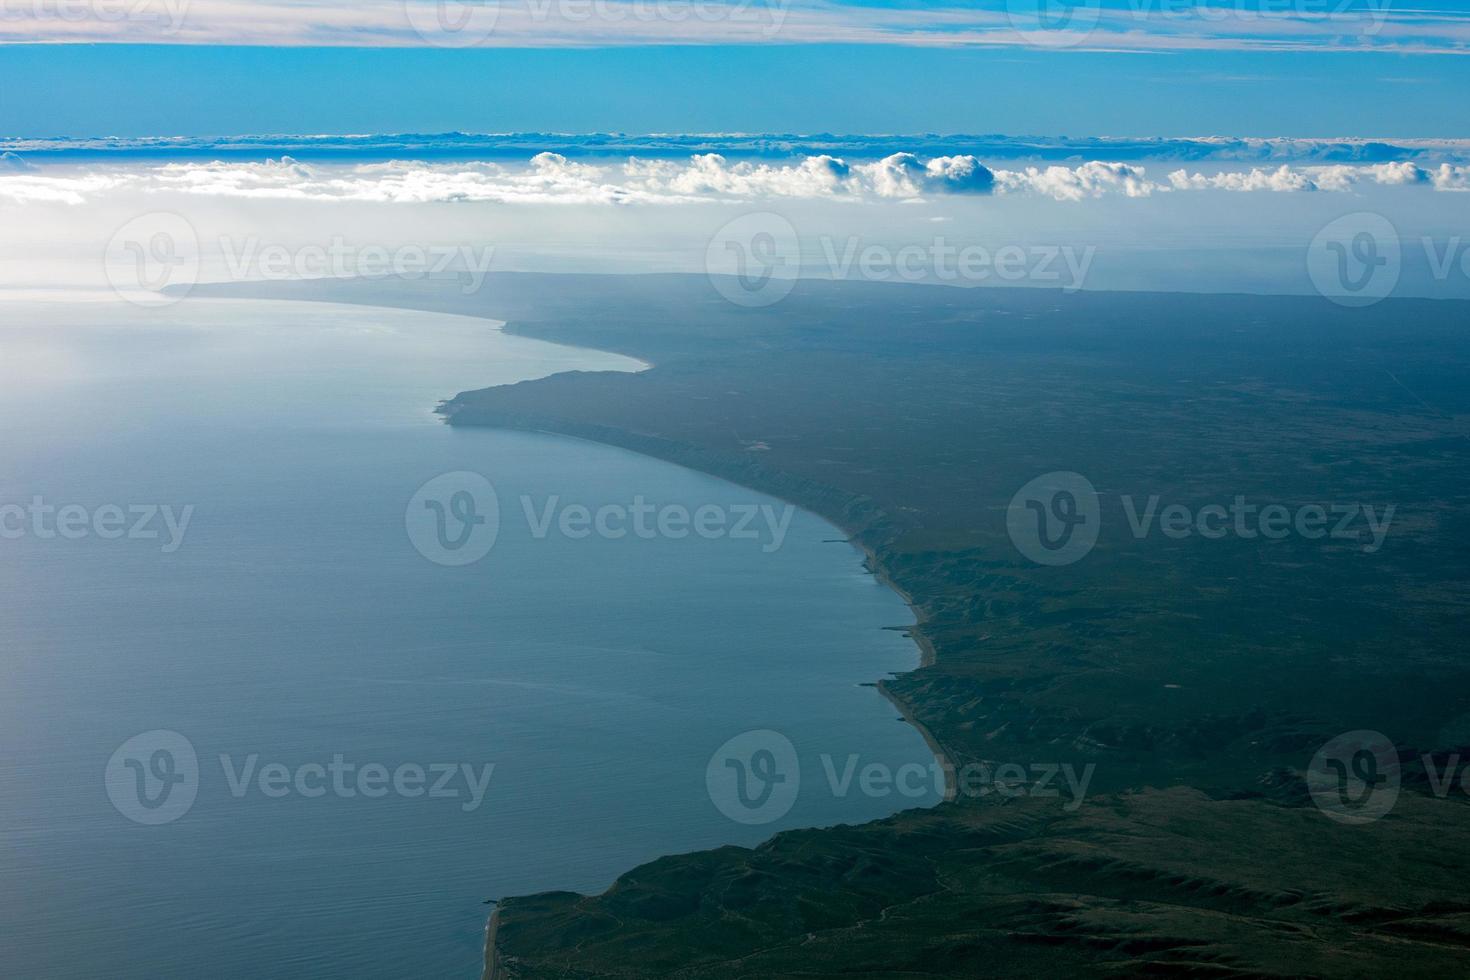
{"x":295,"y":621}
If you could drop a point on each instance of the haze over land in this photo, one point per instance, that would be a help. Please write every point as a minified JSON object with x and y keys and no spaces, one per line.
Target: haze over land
{"x":1197,"y":673}
{"x":1124,"y":340}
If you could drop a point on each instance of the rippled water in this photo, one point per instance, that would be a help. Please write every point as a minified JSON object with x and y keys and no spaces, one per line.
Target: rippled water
{"x":296,"y":623}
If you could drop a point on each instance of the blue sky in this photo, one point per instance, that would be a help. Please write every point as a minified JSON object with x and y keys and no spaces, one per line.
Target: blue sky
{"x":1106,"y":67}
{"x":78,"y":90}
{"x":1194,"y":214}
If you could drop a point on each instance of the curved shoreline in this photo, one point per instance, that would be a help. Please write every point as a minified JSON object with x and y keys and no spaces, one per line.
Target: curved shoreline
{"x":853,"y":536}
{"x":927,"y":655}
{"x":785,"y":489}
{"x":493,"y":963}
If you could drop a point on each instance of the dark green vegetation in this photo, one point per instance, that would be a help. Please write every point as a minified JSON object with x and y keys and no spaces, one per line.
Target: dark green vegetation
{"x":1164,"y":883}
{"x":1198,"y":675}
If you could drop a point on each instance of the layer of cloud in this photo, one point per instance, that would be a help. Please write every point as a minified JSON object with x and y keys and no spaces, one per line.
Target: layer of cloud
{"x":550,"y":178}
{"x":1077,"y":183}
{"x":1446,"y":177}
{"x":1136,"y":25}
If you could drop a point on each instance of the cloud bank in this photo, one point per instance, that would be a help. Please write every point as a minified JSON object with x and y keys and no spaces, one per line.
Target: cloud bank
{"x":551,"y":178}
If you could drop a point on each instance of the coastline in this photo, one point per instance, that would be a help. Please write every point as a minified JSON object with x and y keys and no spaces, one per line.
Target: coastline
{"x":681,"y":456}
{"x":494,"y":965}
{"x":853,"y":517}
{"x":492,"y":955}
{"x":871,"y":561}
{"x":1199,"y":804}
{"x":927,"y":658}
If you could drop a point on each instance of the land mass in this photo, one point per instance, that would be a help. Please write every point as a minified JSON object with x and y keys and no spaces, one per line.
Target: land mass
{"x":1198,"y":672}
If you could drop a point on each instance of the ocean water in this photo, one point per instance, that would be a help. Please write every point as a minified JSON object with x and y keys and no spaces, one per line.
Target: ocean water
{"x":294,"y":627}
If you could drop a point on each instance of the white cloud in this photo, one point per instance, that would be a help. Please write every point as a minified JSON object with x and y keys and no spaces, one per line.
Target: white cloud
{"x":1451,"y":178}
{"x":1398,"y":173}
{"x":905,"y":175}
{"x":1338,"y":177}
{"x":547,"y":178}
{"x":552,"y":178}
{"x":28,"y":188}
{"x":1140,"y":26}
{"x":960,"y":175}
{"x":711,"y":173}
{"x":1282,"y":179}
{"x":1077,"y":183}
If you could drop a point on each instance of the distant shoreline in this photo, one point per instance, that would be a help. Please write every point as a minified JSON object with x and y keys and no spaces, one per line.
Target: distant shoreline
{"x":873,"y":563}
{"x":1193,"y":683}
